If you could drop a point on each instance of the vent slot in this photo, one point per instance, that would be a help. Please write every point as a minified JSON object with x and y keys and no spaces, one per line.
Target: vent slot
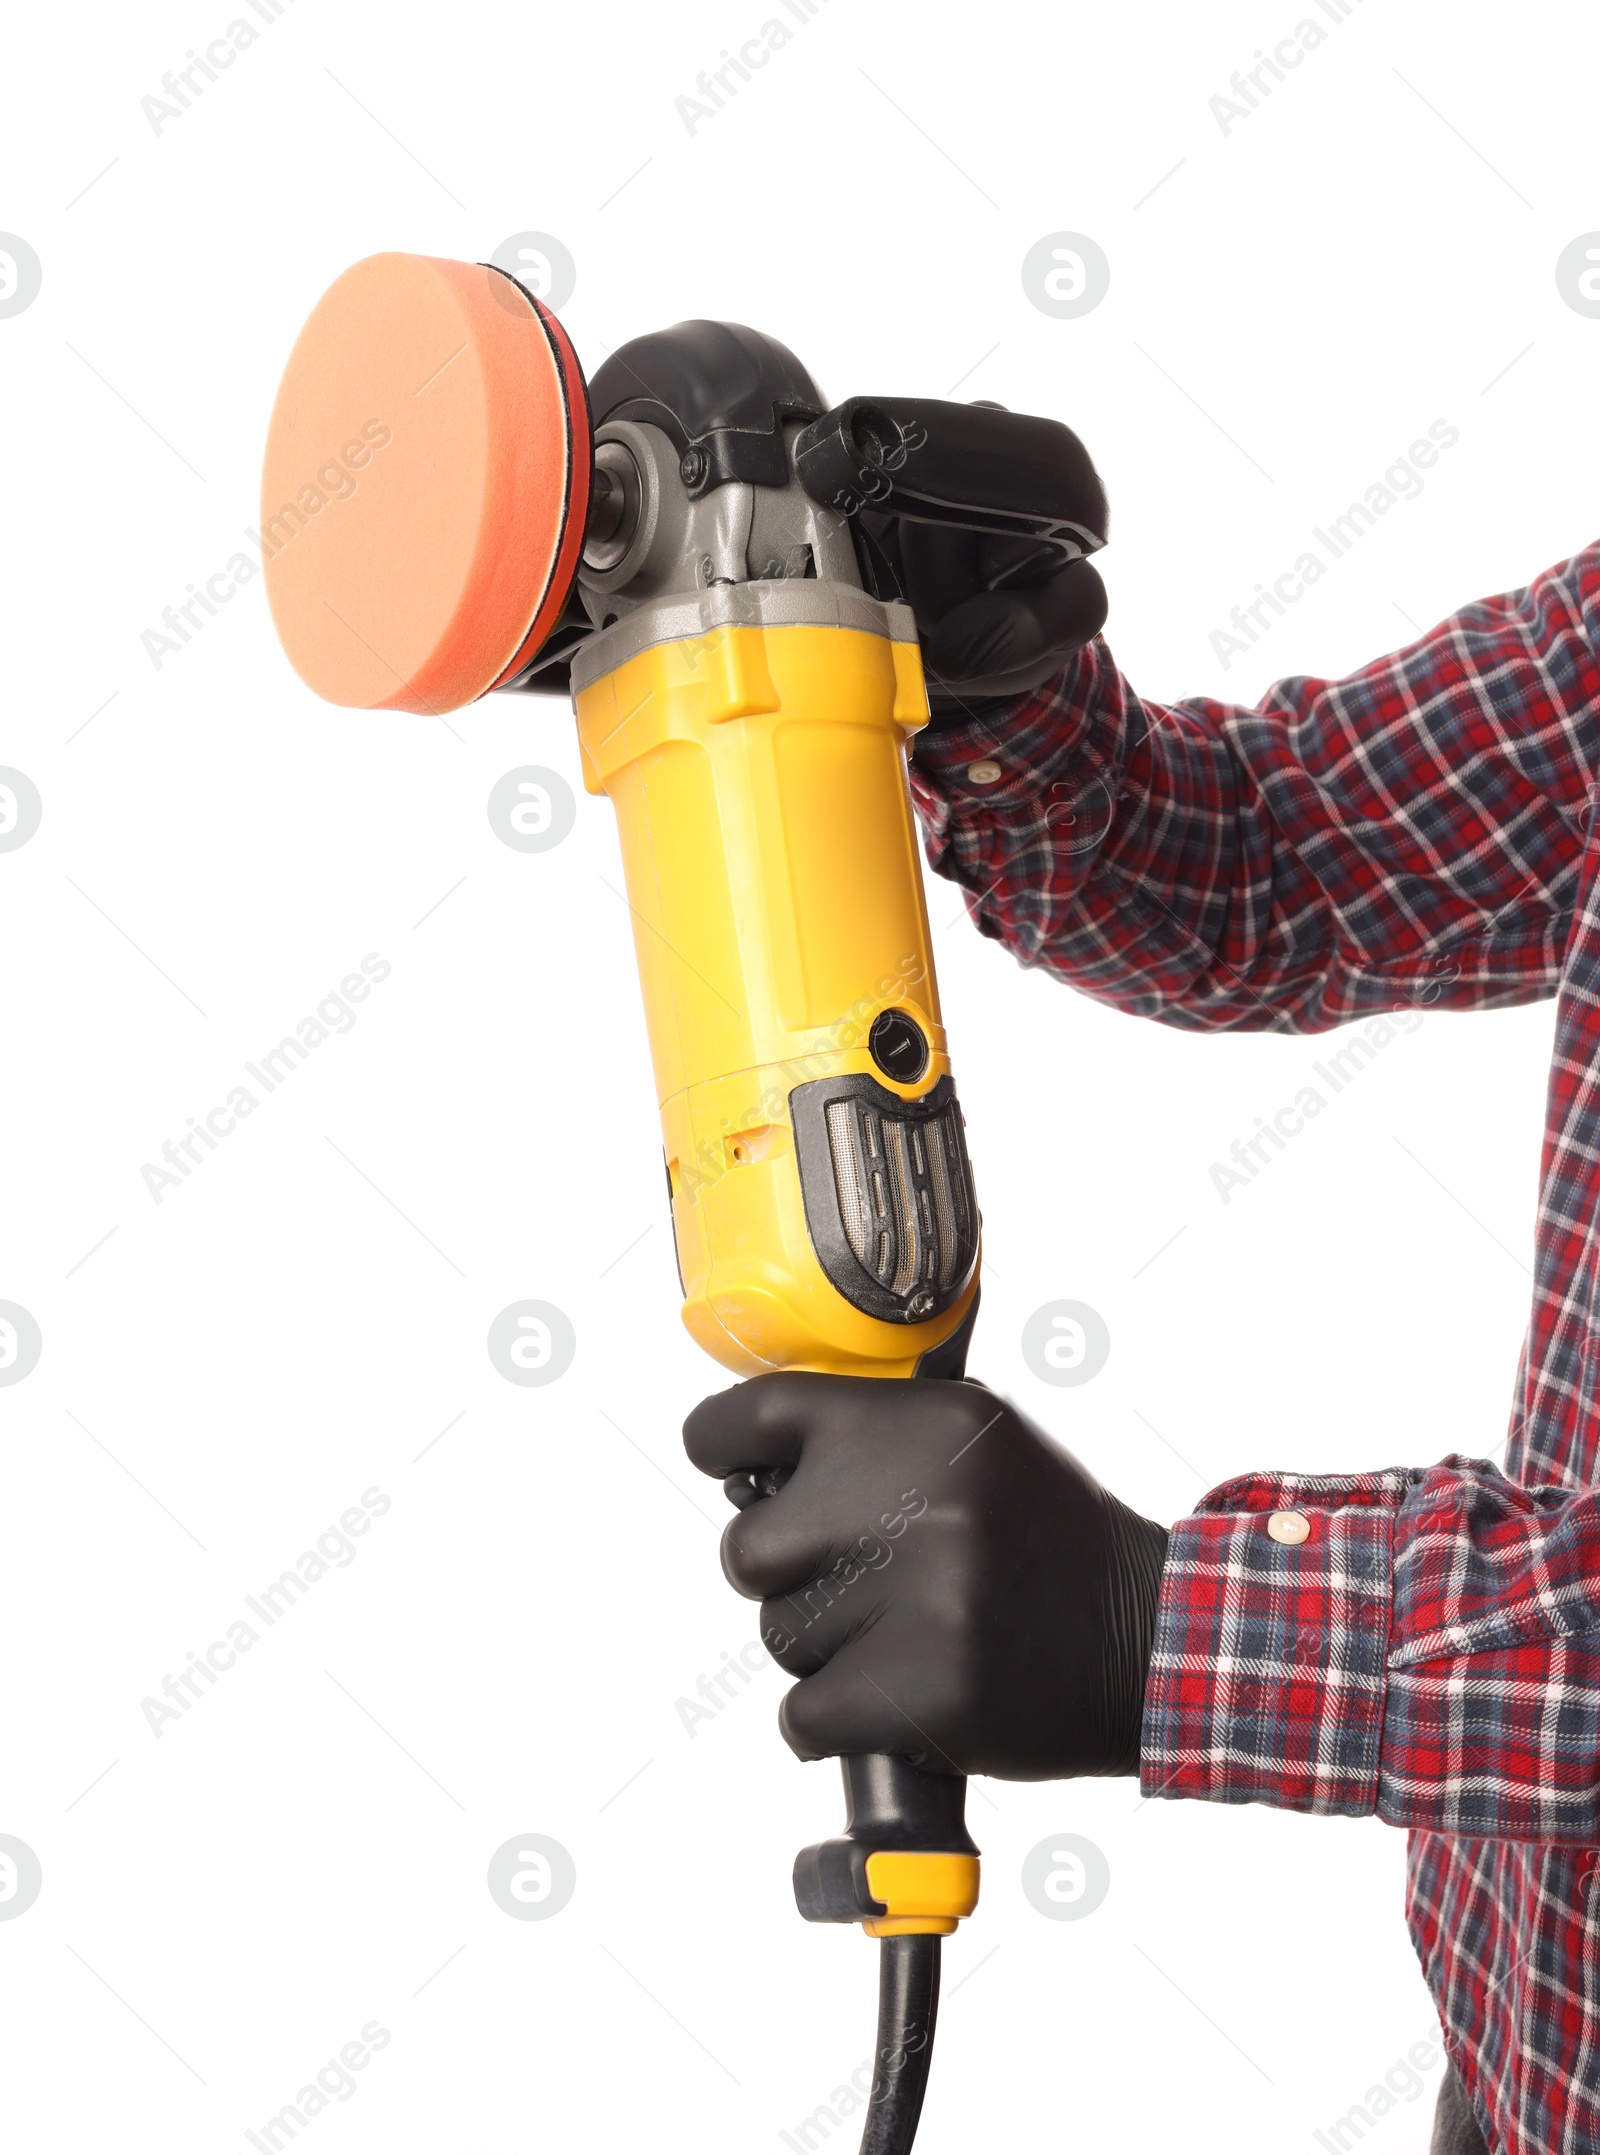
{"x":944,"y":1205}
{"x":905,"y":1211}
{"x":847,"y":1179}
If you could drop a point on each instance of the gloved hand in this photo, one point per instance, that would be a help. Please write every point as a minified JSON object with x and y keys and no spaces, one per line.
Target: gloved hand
{"x":996,"y":617}
{"x":946,"y":1581}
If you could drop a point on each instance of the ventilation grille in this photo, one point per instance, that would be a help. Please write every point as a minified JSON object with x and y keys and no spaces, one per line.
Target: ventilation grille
{"x":888,"y":1193}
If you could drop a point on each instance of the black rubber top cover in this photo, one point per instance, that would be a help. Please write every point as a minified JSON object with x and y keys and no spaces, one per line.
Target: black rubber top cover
{"x":712,"y":386}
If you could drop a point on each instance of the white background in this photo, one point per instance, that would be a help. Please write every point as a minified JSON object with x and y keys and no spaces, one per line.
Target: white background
{"x":1371,"y":250}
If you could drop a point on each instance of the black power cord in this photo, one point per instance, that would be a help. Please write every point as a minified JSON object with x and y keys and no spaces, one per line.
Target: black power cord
{"x":908,"y":2012}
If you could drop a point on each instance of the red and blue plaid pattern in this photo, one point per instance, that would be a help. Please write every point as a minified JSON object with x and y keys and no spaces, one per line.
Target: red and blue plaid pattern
{"x":1422,"y":833}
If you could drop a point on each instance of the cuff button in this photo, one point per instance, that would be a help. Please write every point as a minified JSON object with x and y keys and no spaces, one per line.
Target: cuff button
{"x":1289,"y":1526}
{"x":984,"y":774}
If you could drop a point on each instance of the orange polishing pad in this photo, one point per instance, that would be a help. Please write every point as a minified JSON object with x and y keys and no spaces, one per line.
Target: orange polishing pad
{"x":426,"y":484}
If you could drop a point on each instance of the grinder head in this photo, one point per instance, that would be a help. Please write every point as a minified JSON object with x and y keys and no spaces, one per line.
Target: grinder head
{"x":426,"y":485}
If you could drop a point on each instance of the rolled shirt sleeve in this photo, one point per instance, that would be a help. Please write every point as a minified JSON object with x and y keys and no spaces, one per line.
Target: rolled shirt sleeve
{"x":1413,"y":832}
{"x":1423,"y":1644}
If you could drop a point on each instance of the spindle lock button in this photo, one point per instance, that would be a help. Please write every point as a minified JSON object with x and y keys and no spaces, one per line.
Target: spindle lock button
{"x":898,"y":1045}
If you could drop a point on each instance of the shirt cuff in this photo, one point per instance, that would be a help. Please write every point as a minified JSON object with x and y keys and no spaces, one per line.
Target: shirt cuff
{"x":1012,"y":760}
{"x":1267,"y":1681}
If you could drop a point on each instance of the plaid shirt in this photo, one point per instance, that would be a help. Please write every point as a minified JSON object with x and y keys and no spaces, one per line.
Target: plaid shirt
{"x":1430,"y":1649}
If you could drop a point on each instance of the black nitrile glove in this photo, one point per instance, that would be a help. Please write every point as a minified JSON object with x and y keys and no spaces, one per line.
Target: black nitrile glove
{"x":947,"y":1582}
{"x":996,"y":617}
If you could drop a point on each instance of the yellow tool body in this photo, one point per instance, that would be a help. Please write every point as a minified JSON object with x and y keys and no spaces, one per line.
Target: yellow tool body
{"x":757,"y":766}
{"x":769,"y":851}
